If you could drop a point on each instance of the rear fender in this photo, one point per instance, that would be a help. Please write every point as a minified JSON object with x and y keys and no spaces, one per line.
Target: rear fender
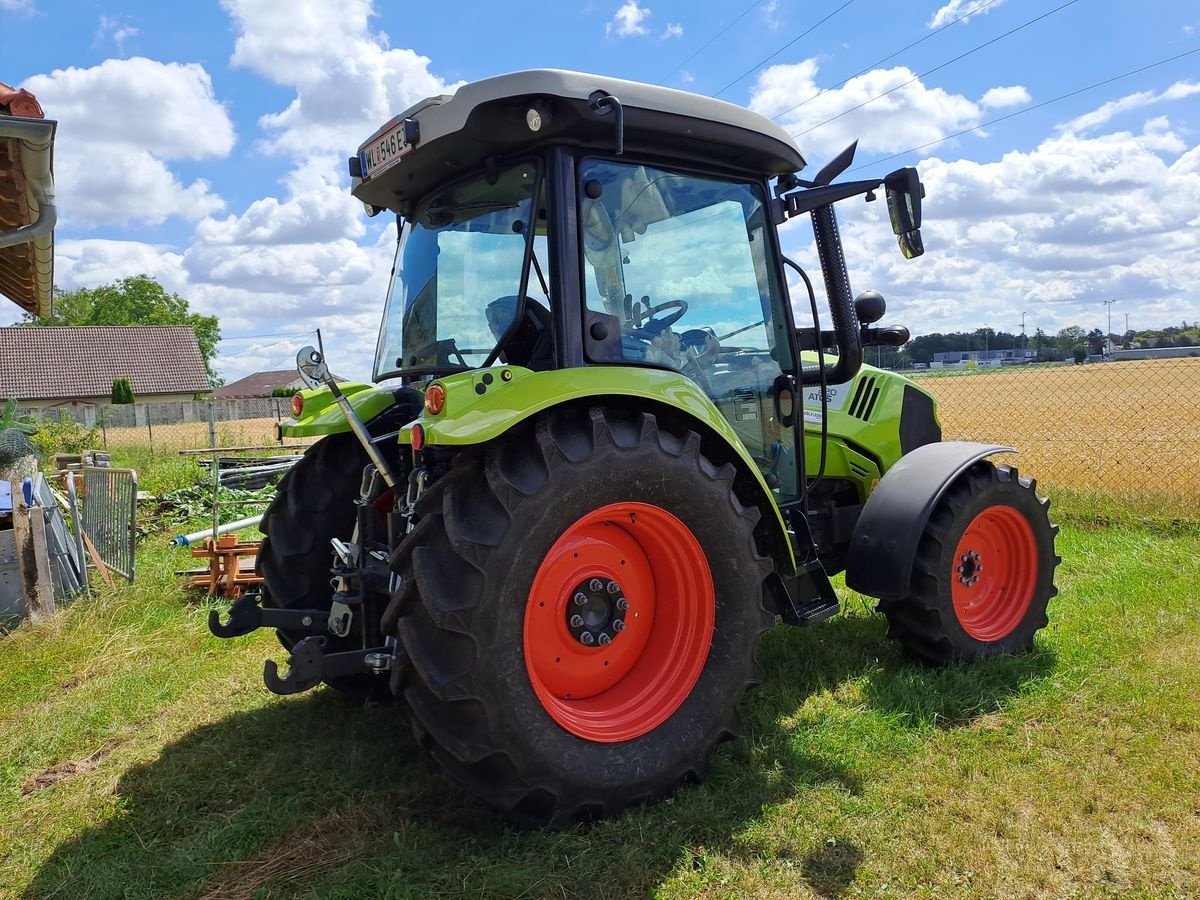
{"x":883,"y":548}
{"x":483,"y":404}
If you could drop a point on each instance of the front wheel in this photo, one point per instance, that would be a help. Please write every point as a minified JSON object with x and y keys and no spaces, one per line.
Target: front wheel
{"x":984,"y":571}
{"x":581,"y":602}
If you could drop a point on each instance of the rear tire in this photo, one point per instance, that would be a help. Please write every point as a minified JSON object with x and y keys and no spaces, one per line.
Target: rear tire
{"x":514,"y":704}
{"x":984,"y":571}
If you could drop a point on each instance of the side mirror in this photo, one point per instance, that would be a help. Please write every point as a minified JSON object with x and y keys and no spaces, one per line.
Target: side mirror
{"x":311,"y":367}
{"x":904,"y":193}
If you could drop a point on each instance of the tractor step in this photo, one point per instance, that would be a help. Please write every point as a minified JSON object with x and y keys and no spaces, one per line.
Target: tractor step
{"x":813,"y":612}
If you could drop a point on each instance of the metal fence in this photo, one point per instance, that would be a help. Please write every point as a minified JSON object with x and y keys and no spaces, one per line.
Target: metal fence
{"x":110,"y":516}
{"x":1113,"y":435}
{"x":167,"y":412}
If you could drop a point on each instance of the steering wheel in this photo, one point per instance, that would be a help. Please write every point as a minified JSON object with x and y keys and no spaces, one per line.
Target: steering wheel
{"x":644,"y":315}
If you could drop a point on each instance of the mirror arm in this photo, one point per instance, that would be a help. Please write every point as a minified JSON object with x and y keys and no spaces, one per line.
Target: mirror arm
{"x":799,"y":202}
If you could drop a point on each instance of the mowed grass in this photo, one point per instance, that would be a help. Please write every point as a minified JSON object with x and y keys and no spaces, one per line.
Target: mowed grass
{"x":1116,"y":437}
{"x":140,"y":757}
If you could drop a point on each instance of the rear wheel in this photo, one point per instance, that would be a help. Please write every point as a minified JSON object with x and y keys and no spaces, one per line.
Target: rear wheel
{"x":984,"y":571}
{"x":581,"y":602}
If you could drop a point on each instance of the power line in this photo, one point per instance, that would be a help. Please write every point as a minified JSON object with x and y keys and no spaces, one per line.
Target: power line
{"x":1021,"y":112}
{"x":784,"y":47}
{"x":880,"y":62}
{"x":936,"y":68}
{"x":743,"y":15}
{"x":254,"y":337}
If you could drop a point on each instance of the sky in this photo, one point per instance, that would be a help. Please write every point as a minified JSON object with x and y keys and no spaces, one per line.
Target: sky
{"x":205,"y":143}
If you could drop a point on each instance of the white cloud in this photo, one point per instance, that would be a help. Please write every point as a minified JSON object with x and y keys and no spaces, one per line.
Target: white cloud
{"x":28,"y":7}
{"x":1001,"y":97}
{"x":771,"y":15}
{"x":348,"y":81}
{"x":628,"y":21}
{"x":1050,"y":232}
{"x":964,"y":9}
{"x":1105,"y":113}
{"x":120,"y":123}
{"x":673,"y":30}
{"x":907,"y":117}
{"x":112,"y":28}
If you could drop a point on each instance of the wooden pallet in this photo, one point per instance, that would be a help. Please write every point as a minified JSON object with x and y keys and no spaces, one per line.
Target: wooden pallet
{"x":230,"y":566}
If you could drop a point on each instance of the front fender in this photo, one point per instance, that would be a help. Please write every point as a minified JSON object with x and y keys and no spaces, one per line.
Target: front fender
{"x":883,"y":548}
{"x":483,"y":404}
{"x":323,"y":416}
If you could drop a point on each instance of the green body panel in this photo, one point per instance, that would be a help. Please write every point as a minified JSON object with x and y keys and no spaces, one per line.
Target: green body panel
{"x":863,"y":427}
{"x":484,"y":403}
{"x":323,"y":416}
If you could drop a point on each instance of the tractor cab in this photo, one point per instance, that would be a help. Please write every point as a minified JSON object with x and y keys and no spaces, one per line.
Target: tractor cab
{"x":553,"y":220}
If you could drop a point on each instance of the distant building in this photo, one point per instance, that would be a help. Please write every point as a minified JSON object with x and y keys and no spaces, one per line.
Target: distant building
{"x":48,"y":366}
{"x":958,"y":358}
{"x":1155,"y":353}
{"x":263,"y":384}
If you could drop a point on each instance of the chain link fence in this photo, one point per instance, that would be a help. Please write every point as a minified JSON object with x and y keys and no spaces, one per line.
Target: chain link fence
{"x":1108,"y":439}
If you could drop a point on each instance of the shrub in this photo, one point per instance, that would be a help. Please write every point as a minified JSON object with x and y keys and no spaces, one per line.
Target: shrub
{"x":63,"y":436}
{"x":122,"y":391}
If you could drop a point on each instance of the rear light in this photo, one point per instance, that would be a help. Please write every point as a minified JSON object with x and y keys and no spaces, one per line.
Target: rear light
{"x":435,"y":399}
{"x":297,"y":406}
{"x":418,"y":437}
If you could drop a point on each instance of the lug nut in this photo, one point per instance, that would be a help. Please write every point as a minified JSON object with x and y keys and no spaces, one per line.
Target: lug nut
{"x":605,"y":639}
{"x":576,"y":621}
{"x":596,"y":584}
{"x":622,"y":603}
{"x":614,"y":588}
{"x":580,"y":599}
{"x":618,"y":624}
{"x":587,"y":638}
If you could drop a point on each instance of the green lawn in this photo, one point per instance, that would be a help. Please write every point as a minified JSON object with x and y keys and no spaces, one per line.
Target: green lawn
{"x":141,"y":757}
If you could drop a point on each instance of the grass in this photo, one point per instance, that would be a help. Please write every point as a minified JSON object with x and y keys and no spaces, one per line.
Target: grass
{"x":140,"y":757}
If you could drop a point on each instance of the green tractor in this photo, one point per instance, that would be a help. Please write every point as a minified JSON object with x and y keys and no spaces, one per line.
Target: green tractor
{"x":602,"y":457}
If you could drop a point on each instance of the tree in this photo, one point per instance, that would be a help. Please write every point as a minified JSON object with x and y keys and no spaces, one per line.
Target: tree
{"x":139,"y":300}
{"x":122,"y":391}
{"x":1095,"y":342}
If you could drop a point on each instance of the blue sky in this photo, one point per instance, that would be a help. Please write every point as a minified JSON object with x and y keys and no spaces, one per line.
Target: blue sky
{"x":205,"y":143}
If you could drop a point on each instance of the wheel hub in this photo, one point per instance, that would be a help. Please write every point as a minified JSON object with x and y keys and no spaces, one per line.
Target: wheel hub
{"x":596,"y":613}
{"x":970,"y":564}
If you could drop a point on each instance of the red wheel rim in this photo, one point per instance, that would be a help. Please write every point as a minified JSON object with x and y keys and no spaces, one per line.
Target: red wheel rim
{"x":995,"y":573}
{"x":630,"y":686}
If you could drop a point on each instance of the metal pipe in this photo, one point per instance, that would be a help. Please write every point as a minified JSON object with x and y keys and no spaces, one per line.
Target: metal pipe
{"x":37,"y":139}
{"x":186,"y":540}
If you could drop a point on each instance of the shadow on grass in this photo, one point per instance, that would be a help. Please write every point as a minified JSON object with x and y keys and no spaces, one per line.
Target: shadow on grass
{"x":311,"y":794}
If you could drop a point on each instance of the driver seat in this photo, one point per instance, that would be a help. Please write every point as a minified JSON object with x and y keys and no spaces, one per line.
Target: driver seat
{"x":532,"y":343}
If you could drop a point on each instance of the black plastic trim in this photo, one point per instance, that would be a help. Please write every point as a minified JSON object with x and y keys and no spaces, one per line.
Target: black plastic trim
{"x":918,"y":422}
{"x":880,"y":559}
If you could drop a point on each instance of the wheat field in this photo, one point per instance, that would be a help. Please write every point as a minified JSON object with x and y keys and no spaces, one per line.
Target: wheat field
{"x":193,"y":435}
{"x":1121,"y":429}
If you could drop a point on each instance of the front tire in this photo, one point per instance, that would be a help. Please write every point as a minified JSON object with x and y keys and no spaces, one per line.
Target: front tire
{"x":984,"y":571}
{"x":512,"y":700}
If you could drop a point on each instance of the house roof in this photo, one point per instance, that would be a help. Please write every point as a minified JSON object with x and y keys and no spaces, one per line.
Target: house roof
{"x":260,"y":384}
{"x":27,"y":208}
{"x":51,"y":363}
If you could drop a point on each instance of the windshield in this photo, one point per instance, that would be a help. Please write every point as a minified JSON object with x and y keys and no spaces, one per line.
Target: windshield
{"x":459,"y":271}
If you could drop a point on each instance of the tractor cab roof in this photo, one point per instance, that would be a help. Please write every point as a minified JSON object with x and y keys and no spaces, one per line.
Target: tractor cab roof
{"x":442,"y":137}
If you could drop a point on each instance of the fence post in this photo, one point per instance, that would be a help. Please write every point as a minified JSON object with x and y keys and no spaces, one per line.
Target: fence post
{"x":212,"y":424}
{"x":150,"y":428}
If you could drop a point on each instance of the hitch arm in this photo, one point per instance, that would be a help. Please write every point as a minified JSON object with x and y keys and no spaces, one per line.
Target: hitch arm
{"x":309,"y":665}
{"x":245,"y":615}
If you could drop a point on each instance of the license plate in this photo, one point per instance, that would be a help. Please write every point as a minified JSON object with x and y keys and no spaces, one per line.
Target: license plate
{"x":385,"y":151}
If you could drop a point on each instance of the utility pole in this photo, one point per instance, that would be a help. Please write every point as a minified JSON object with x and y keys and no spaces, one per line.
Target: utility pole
{"x":1126,"y":323}
{"x":1109,"y":304}
{"x":1022,"y":330}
